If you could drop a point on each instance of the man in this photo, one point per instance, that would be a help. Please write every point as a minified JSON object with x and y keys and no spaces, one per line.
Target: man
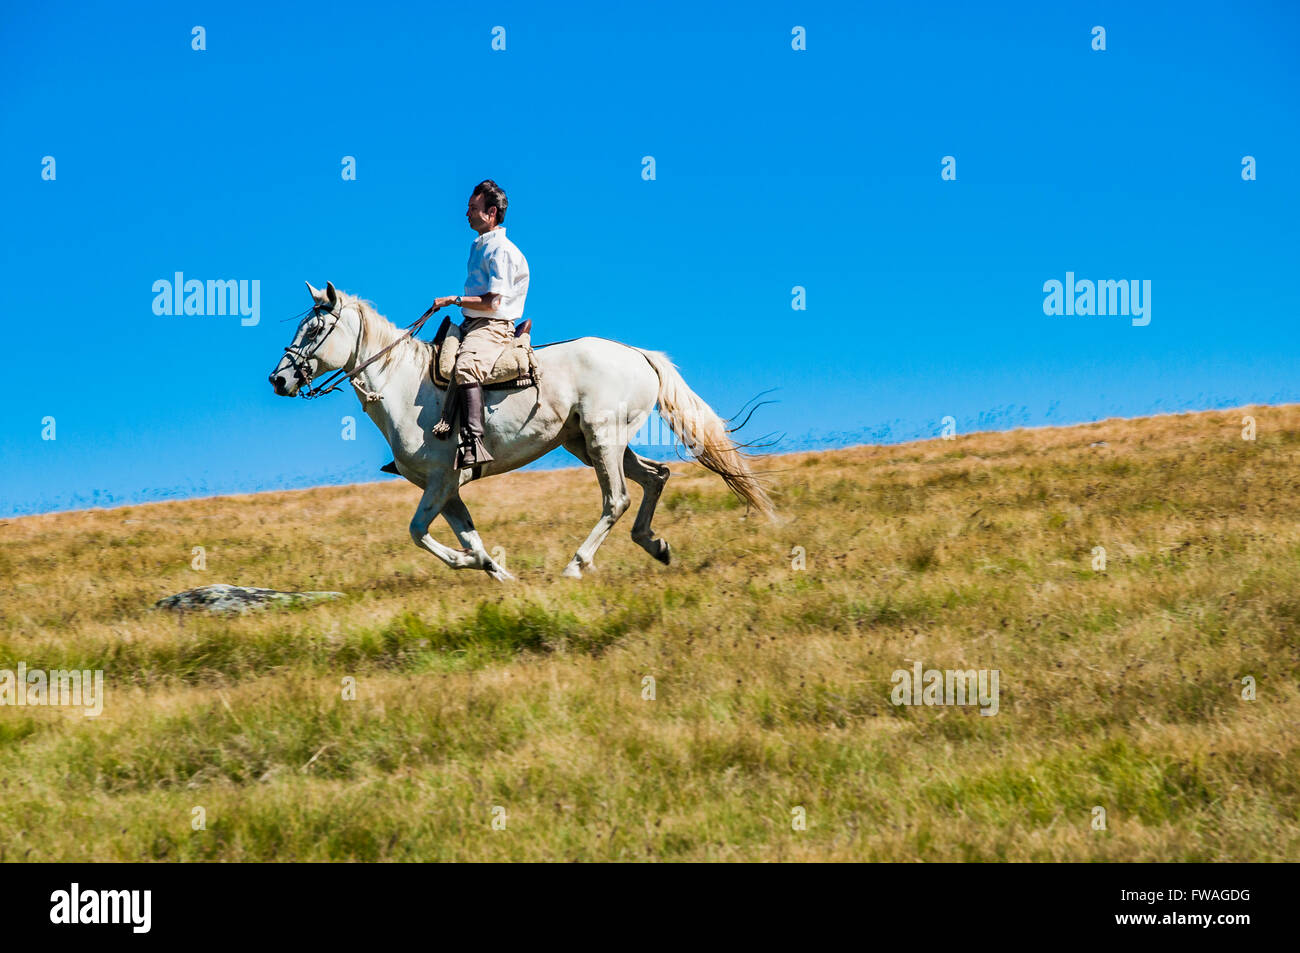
{"x":493,"y":301}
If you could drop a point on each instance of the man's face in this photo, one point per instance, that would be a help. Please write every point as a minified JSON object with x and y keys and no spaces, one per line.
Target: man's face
{"x":480,"y":220}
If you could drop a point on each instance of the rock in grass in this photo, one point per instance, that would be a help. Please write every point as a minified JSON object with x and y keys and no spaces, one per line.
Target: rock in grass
{"x":223,"y":598}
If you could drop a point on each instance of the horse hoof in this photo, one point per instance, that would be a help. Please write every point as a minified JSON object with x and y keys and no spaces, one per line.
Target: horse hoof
{"x":498,"y":572}
{"x":572,"y":571}
{"x":665,"y":554}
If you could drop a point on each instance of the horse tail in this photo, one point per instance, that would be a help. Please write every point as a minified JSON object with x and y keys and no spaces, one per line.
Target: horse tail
{"x":704,"y":433}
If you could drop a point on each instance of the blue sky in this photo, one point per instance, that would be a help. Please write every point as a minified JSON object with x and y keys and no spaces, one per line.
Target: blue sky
{"x":774,"y":168}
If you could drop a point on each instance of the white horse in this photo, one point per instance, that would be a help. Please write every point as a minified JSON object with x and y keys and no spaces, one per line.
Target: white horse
{"x":593,"y":394}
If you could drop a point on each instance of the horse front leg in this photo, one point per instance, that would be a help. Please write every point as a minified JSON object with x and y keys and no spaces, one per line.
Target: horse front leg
{"x":440,"y":488}
{"x":457,"y":515}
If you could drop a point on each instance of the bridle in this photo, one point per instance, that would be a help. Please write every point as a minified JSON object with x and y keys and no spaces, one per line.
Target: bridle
{"x":299,"y":360}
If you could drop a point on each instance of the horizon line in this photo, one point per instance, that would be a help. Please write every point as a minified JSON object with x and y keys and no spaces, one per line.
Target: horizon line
{"x":528,"y":468}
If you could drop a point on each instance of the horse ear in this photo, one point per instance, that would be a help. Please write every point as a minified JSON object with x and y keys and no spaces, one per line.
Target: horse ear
{"x":316,"y":296}
{"x":333,"y":295}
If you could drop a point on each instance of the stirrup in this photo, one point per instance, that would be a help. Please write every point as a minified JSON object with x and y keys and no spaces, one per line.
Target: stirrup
{"x":470,"y":452}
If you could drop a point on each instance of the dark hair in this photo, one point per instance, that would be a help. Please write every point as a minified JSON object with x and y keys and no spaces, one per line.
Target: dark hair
{"x":493,"y":194}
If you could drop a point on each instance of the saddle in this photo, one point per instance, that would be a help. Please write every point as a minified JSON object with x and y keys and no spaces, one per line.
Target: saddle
{"x":516,"y":367}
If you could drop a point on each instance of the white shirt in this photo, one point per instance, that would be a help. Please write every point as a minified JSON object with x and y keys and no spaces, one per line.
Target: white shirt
{"x":497,"y":267}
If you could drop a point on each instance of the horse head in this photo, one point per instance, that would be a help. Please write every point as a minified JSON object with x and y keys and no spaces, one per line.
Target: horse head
{"x":326,"y":340}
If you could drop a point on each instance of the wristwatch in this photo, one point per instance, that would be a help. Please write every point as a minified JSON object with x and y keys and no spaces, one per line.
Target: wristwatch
{"x":458,"y":301}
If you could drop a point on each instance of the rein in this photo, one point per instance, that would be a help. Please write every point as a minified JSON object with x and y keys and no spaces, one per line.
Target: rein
{"x":336,"y":379}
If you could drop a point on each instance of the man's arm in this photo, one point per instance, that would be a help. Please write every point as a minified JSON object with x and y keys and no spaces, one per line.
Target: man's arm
{"x":487,"y":302}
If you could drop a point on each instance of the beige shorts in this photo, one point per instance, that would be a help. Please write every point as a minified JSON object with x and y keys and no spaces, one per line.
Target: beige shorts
{"x":481,"y":343}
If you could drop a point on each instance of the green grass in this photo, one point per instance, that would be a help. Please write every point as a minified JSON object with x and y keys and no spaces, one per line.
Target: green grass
{"x":388,"y":725}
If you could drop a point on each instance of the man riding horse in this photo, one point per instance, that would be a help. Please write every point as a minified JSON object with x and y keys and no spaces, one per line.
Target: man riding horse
{"x":493,"y":301}
{"x":587,"y":395}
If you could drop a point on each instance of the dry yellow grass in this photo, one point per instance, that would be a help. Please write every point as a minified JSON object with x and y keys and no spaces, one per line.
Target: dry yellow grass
{"x":1119,"y":689}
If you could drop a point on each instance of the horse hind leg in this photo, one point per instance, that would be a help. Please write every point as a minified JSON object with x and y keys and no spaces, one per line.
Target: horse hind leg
{"x":607,"y":460}
{"x":651,"y":476}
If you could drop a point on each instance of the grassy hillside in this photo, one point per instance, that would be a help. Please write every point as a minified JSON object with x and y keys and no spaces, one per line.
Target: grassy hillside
{"x":1119,"y":689}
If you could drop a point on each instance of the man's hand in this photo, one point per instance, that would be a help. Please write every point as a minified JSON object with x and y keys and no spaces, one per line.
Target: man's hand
{"x":440,"y":303}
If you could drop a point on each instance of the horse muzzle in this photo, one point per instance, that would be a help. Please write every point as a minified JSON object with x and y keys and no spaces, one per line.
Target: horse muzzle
{"x":285,"y":381}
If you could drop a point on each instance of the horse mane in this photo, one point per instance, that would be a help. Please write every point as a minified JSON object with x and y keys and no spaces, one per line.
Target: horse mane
{"x":378,"y":332}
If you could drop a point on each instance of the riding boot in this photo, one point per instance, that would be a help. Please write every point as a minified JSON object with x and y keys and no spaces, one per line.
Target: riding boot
{"x":450,"y":401}
{"x":471,"y":451}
